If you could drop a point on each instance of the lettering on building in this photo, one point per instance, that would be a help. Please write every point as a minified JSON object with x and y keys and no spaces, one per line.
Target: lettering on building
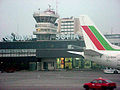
{"x":67,"y":37}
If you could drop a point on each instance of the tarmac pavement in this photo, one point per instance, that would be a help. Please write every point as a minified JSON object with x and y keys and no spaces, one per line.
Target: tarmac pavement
{"x":52,"y":80}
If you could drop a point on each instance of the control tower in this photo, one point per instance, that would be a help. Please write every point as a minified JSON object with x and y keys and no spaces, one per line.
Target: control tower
{"x":46,"y":28}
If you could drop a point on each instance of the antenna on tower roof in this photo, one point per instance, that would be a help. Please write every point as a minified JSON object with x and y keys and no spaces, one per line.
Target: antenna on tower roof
{"x":49,"y":6}
{"x":56,"y":7}
{"x":39,"y":10}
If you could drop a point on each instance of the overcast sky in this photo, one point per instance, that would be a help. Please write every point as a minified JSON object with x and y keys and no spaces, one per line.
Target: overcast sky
{"x":17,"y":15}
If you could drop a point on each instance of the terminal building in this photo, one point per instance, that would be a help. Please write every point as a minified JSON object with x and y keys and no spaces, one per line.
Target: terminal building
{"x":48,"y":52}
{"x":113,"y":38}
{"x":54,"y":37}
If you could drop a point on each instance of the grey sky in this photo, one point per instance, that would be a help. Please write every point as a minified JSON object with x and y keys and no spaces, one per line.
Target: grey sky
{"x":16,"y":15}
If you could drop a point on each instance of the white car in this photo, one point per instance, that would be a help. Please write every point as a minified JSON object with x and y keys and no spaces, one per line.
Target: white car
{"x":111,"y":70}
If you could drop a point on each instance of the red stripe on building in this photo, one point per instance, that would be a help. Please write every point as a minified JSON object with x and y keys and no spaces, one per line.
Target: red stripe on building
{"x":93,"y":38}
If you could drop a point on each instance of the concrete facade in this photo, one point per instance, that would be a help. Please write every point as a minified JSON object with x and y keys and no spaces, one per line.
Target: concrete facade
{"x":69,"y":26}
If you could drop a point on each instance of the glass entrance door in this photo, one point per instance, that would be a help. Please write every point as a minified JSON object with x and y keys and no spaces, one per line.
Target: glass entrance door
{"x":45,"y":65}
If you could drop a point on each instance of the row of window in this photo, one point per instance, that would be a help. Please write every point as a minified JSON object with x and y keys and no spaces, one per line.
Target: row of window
{"x":45,"y":19}
{"x":118,"y":44}
{"x":38,"y":45}
{"x":17,"y":55}
{"x":67,"y":24}
{"x":67,"y":33}
{"x":68,"y":28}
{"x":65,"y":30}
{"x":67,"y":21}
{"x":70,"y":32}
{"x":101,"y":81}
{"x":45,"y":25}
{"x":113,"y":36}
{"x":45,"y":30}
{"x":17,"y":50}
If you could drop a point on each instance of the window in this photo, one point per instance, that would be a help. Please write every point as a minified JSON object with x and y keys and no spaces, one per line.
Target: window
{"x":99,"y":81}
{"x":104,"y":81}
{"x":95,"y":81}
{"x":67,"y":21}
{"x":109,"y":81}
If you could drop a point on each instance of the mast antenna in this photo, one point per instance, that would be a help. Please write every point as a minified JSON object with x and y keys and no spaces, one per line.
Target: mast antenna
{"x":56,"y":7}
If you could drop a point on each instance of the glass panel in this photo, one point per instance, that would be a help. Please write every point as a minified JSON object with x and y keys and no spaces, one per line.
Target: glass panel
{"x":95,"y":81}
{"x":109,"y":81}
{"x":99,"y":81}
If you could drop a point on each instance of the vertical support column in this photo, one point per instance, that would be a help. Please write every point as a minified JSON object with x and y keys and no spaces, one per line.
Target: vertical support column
{"x":32,"y":66}
{"x":42,"y":65}
{"x":55,"y":64}
{"x":82,"y":63}
{"x":38,"y":66}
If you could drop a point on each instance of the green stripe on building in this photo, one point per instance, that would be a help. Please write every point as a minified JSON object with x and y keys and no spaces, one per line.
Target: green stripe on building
{"x":101,"y":39}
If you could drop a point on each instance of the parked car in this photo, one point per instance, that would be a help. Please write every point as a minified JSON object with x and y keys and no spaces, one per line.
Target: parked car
{"x":111,"y":70}
{"x":8,"y":70}
{"x":102,"y":84}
